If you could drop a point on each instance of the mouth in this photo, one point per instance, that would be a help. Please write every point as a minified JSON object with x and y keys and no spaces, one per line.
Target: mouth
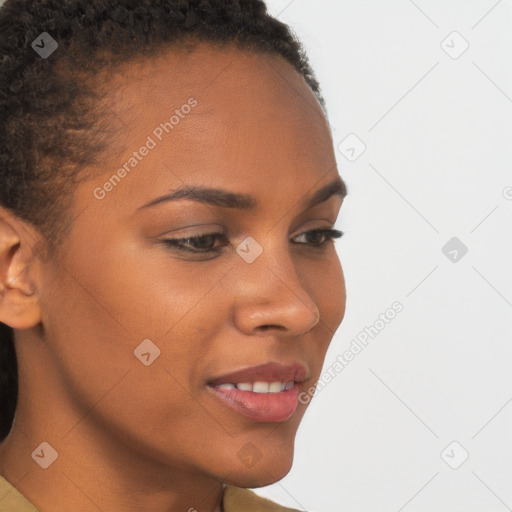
{"x":264,"y":393}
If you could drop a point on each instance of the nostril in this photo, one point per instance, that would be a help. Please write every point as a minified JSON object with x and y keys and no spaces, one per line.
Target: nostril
{"x":270,"y":326}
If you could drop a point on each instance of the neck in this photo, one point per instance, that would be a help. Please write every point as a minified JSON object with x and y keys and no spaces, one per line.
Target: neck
{"x":97,"y":468}
{"x":107,"y":477}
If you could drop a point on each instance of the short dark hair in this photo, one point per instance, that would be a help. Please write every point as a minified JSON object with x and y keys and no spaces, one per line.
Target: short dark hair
{"x":49,"y":128}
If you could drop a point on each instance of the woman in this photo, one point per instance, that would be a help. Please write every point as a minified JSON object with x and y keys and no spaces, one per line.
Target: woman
{"x":169,"y":282}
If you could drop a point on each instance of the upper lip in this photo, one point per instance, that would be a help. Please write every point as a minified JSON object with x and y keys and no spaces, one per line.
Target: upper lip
{"x":267,"y":372}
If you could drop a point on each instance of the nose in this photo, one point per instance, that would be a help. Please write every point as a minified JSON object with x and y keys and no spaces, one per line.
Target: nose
{"x":271,"y":296}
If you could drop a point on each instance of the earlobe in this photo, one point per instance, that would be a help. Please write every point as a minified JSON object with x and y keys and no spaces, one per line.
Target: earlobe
{"x":19,"y":306}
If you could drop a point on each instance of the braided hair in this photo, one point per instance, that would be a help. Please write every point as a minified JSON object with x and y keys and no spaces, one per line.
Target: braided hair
{"x":50,"y":123}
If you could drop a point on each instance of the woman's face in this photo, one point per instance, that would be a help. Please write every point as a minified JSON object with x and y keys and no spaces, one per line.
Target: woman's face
{"x":246,"y":124}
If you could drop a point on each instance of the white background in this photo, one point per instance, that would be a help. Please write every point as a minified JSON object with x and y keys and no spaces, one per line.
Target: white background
{"x":437,"y":164}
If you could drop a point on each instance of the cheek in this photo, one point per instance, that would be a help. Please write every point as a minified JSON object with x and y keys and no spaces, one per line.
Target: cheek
{"x":125,"y":297}
{"x":325,"y":282}
{"x":145,"y":290}
{"x":326,"y":285}
{"x":336,"y":295}
{"x":95,"y":321}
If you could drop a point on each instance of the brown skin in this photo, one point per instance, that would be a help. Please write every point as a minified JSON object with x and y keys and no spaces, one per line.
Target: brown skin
{"x":131,"y":437}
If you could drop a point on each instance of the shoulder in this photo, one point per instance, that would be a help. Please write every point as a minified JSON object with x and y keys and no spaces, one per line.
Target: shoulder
{"x":238,"y":499}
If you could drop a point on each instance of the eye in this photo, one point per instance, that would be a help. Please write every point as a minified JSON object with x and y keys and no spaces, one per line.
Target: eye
{"x":197,"y":244}
{"x":205,"y":243}
{"x":328,"y":235}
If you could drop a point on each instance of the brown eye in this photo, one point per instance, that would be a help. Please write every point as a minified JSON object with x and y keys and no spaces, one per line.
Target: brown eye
{"x":319,"y":234}
{"x":205,"y":244}
{"x":196,"y":244}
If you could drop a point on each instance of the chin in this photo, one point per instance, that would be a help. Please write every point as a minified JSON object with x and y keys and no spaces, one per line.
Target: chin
{"x":262,"y":474}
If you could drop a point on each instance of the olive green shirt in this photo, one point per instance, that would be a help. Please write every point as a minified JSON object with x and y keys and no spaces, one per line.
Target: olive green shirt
{"x":235,"y":499}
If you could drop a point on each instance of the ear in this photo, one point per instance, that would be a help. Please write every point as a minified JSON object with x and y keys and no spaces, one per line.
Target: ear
{"x":19,"y":265}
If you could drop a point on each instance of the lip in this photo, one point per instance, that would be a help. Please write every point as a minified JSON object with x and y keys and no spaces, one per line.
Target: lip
{"x":262,"y":407}
{"x":267,"y":372}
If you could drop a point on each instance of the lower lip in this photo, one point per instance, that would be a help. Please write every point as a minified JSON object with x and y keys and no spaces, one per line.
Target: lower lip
{"x":264,"y":407}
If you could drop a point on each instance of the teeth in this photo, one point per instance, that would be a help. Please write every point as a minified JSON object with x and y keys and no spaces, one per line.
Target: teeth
{"x":259,"y":387}
{"x":227,"y":385}
{"x":274,"y":387}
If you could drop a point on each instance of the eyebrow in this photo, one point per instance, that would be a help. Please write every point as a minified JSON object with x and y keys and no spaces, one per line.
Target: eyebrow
{"x":225,"y":199}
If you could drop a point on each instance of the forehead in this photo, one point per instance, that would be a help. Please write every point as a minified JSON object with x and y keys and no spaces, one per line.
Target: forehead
{"x":223,"y":74}
{"x":255,"y":120}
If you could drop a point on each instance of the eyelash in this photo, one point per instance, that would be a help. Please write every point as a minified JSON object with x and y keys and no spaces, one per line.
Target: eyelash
{"x":175,"y":243}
